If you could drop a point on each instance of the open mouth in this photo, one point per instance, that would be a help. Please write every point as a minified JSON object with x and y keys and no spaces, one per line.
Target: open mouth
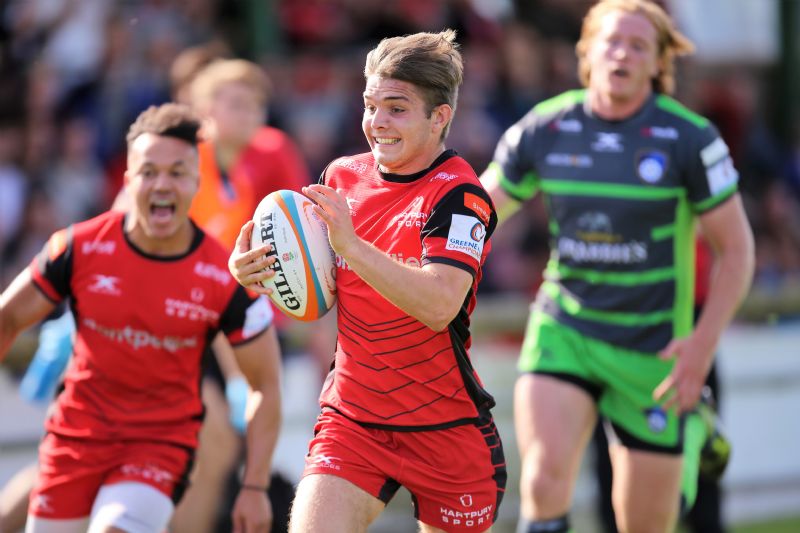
{"x":162,"y":211}
{"x":386,"y":140}
{"x":620,"y":73}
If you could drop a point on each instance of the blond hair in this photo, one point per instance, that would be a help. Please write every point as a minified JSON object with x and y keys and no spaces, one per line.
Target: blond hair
{"x":189,"y":62}
{"x":429,"y":61}
{"x":670,"y":42}
{"x":223,"y":71}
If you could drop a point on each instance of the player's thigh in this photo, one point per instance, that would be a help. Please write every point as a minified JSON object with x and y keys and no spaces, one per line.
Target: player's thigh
{"x":330,"y":504}
{"x":37,"y":524}
{"x":638,"y":421}
{"x":553,"y":418}
{"x":14,"y":498}
{"x":646,"y":489}
{"x":456,"y":476}
{"x":554,"y":398}
{"x":219,"y":445}
{"x":131,"y":507}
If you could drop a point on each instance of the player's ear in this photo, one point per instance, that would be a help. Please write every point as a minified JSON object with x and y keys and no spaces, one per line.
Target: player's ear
{"x":441,"y":116}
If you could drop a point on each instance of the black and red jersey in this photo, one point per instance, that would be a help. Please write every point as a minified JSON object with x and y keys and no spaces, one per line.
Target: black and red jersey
{"x":391,"y":370}
{"x":142,"y":325}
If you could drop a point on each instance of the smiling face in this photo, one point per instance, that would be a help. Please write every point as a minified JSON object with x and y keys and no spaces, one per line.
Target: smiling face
{"x":623,"y":55}
{"x":403,"y":138}
{"x":161,"y":180}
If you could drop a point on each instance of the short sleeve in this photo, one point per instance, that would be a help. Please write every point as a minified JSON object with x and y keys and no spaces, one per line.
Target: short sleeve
{"x":245,"y":317}
{"x":514,"y":163}
{"x":711,"y":177}
{"x":51,"y":269}
{"x":458,"y":228}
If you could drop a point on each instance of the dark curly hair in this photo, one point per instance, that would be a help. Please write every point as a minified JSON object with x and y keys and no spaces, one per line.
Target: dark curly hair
{"x":170,"y":120}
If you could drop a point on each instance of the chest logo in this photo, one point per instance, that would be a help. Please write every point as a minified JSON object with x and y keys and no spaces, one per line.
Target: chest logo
{"x":651,"y":165}
{"x":660,"y":132}
{"x":102,"y":284}
{"x":607,"y":142}
{"x":567,"y":126}
{"x":444,"y":176}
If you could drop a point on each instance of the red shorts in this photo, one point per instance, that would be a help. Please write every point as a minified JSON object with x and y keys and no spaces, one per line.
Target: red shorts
{"x":71,"y":472}
{"x":456,"y":476}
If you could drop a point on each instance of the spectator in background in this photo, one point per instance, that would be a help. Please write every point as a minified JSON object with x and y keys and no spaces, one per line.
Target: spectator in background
{"x":66,"y":34}
{"x":13,"y":188}
{"x":189,"y":62}
{"x":242,"y":159}
{"x":76,"y":181}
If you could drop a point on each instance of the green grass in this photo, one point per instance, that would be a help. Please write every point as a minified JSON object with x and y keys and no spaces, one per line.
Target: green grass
{"x":784,"y":525}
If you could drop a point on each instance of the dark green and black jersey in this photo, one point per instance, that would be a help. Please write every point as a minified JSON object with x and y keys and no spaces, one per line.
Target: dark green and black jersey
{"x":621,"y":198}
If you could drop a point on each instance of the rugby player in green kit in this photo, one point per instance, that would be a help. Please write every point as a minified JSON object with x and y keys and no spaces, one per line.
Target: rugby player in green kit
{"x":625,"y":171}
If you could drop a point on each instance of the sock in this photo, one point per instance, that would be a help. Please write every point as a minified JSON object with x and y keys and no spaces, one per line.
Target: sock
{"x":553,"y":525}
{"x":694,"y":436}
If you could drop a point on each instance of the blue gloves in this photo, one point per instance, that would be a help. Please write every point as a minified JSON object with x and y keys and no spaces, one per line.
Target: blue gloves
{"x":236,"y":392}
{"x":48,"y":363}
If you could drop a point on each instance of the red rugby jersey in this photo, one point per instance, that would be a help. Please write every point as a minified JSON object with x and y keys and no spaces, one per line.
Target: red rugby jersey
{"x":142,"y":325}
{"x":391,"y":370}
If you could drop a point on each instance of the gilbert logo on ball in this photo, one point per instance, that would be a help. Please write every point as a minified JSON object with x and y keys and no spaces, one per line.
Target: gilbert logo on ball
{"x":304,"y":284}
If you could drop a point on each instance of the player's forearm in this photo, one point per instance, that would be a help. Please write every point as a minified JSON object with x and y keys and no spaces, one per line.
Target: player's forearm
{"x":262,"y":435}
{"x":7,"y":331}
{"x":504,"y":204}
{"x":421,"y":293}
{"x":21,"y":306}
{"x":7,"y":337}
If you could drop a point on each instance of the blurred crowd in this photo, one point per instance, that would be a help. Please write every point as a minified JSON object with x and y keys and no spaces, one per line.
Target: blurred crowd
{"x":74,"y":74}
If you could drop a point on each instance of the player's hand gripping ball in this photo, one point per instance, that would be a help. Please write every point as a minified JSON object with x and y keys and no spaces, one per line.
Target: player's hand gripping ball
{"x":304,"y":284}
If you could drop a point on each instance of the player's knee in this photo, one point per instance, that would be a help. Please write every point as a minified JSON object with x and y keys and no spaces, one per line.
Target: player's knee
{"x":545,"y":483}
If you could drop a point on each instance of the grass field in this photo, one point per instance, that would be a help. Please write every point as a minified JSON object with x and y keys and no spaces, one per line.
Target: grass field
{"x":785,"y":525}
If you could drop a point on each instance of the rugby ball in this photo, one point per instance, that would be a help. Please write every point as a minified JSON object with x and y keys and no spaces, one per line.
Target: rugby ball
{"x":304,"y":284}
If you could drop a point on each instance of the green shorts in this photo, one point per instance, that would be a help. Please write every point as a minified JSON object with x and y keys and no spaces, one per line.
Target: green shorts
{"x":621,"y":381}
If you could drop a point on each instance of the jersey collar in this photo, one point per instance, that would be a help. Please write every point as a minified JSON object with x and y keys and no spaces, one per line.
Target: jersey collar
{"x":409,"y":178}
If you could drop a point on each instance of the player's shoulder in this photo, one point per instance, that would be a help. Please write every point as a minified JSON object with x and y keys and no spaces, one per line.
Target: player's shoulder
{"x":560,"y":104}
{"x":269,"y":139}
{"x":561,"y":113}
{"x":679,"y":115}
{"x":100,"y":225}
{"x":359,"y":164}
{"x":210,"y":259}
{"x":210,"y":246}
{"x":452,"y":172}
{"x":454,"y":177}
